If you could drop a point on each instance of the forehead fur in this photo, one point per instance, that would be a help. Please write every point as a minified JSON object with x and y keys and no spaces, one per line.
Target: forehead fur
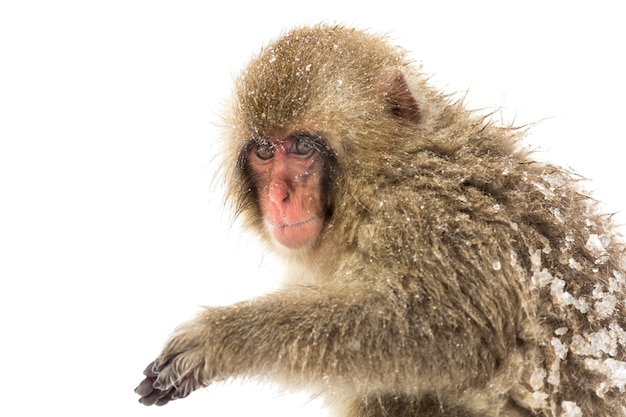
{"x":311,"y":75}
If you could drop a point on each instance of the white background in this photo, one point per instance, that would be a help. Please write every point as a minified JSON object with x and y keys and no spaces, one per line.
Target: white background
{"x":111,"y":229}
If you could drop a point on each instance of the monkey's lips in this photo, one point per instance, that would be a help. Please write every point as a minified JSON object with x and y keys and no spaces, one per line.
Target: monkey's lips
{"x":296,"y":235}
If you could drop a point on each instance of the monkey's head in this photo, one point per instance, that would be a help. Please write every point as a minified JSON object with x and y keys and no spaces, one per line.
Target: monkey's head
{"x":313,"y":118}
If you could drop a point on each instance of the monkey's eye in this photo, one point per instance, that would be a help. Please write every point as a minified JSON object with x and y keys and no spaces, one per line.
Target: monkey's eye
{"x":303,"y":145}
{"x":264,"y":151}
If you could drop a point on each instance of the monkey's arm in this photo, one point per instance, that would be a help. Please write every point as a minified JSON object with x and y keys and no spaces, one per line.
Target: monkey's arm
{"x":357,"y":337}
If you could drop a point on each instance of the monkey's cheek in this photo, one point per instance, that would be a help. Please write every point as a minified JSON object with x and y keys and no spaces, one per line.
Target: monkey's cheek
{"x":297,"y":236}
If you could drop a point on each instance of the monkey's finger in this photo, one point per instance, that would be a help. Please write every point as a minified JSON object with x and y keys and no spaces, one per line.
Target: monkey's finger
{"x":167,"y":397}
{"x":149,"y":371}
{"x":145,"y":387}
{"x":151,"y":395}
{"x":157,"y":397}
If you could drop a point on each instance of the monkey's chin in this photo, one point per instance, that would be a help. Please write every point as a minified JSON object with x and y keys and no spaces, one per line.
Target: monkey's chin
{"x":300,"y":235}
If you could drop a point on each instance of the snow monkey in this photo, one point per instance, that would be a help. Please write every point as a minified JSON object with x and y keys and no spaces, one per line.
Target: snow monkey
{"x":434,"y":267}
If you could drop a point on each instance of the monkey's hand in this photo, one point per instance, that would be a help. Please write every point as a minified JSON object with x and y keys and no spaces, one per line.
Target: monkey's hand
{"x":149,"y":393}
{"x":180,"y":369}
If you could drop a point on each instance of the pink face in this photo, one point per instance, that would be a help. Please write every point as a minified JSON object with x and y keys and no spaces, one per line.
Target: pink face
{"x":288,"y":176}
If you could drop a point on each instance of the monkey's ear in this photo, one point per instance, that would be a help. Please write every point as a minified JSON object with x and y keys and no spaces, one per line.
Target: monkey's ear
{"x":399,"y":99}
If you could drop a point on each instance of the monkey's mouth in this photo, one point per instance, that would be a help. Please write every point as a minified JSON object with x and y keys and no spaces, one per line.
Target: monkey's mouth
{"x":296,"y":235}
{"x":292,"y":225}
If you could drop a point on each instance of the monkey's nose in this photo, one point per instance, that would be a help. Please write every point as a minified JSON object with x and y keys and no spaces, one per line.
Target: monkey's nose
{"x":279,"y":193}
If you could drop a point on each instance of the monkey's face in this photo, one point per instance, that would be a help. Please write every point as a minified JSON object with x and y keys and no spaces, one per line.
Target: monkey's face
{"x":288,"y":176}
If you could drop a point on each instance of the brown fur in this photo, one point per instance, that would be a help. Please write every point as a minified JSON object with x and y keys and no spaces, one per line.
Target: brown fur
{"x":455,"y":277}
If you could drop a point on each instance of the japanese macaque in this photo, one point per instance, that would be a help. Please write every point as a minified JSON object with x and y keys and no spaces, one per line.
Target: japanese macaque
{"x":435,"y":268}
